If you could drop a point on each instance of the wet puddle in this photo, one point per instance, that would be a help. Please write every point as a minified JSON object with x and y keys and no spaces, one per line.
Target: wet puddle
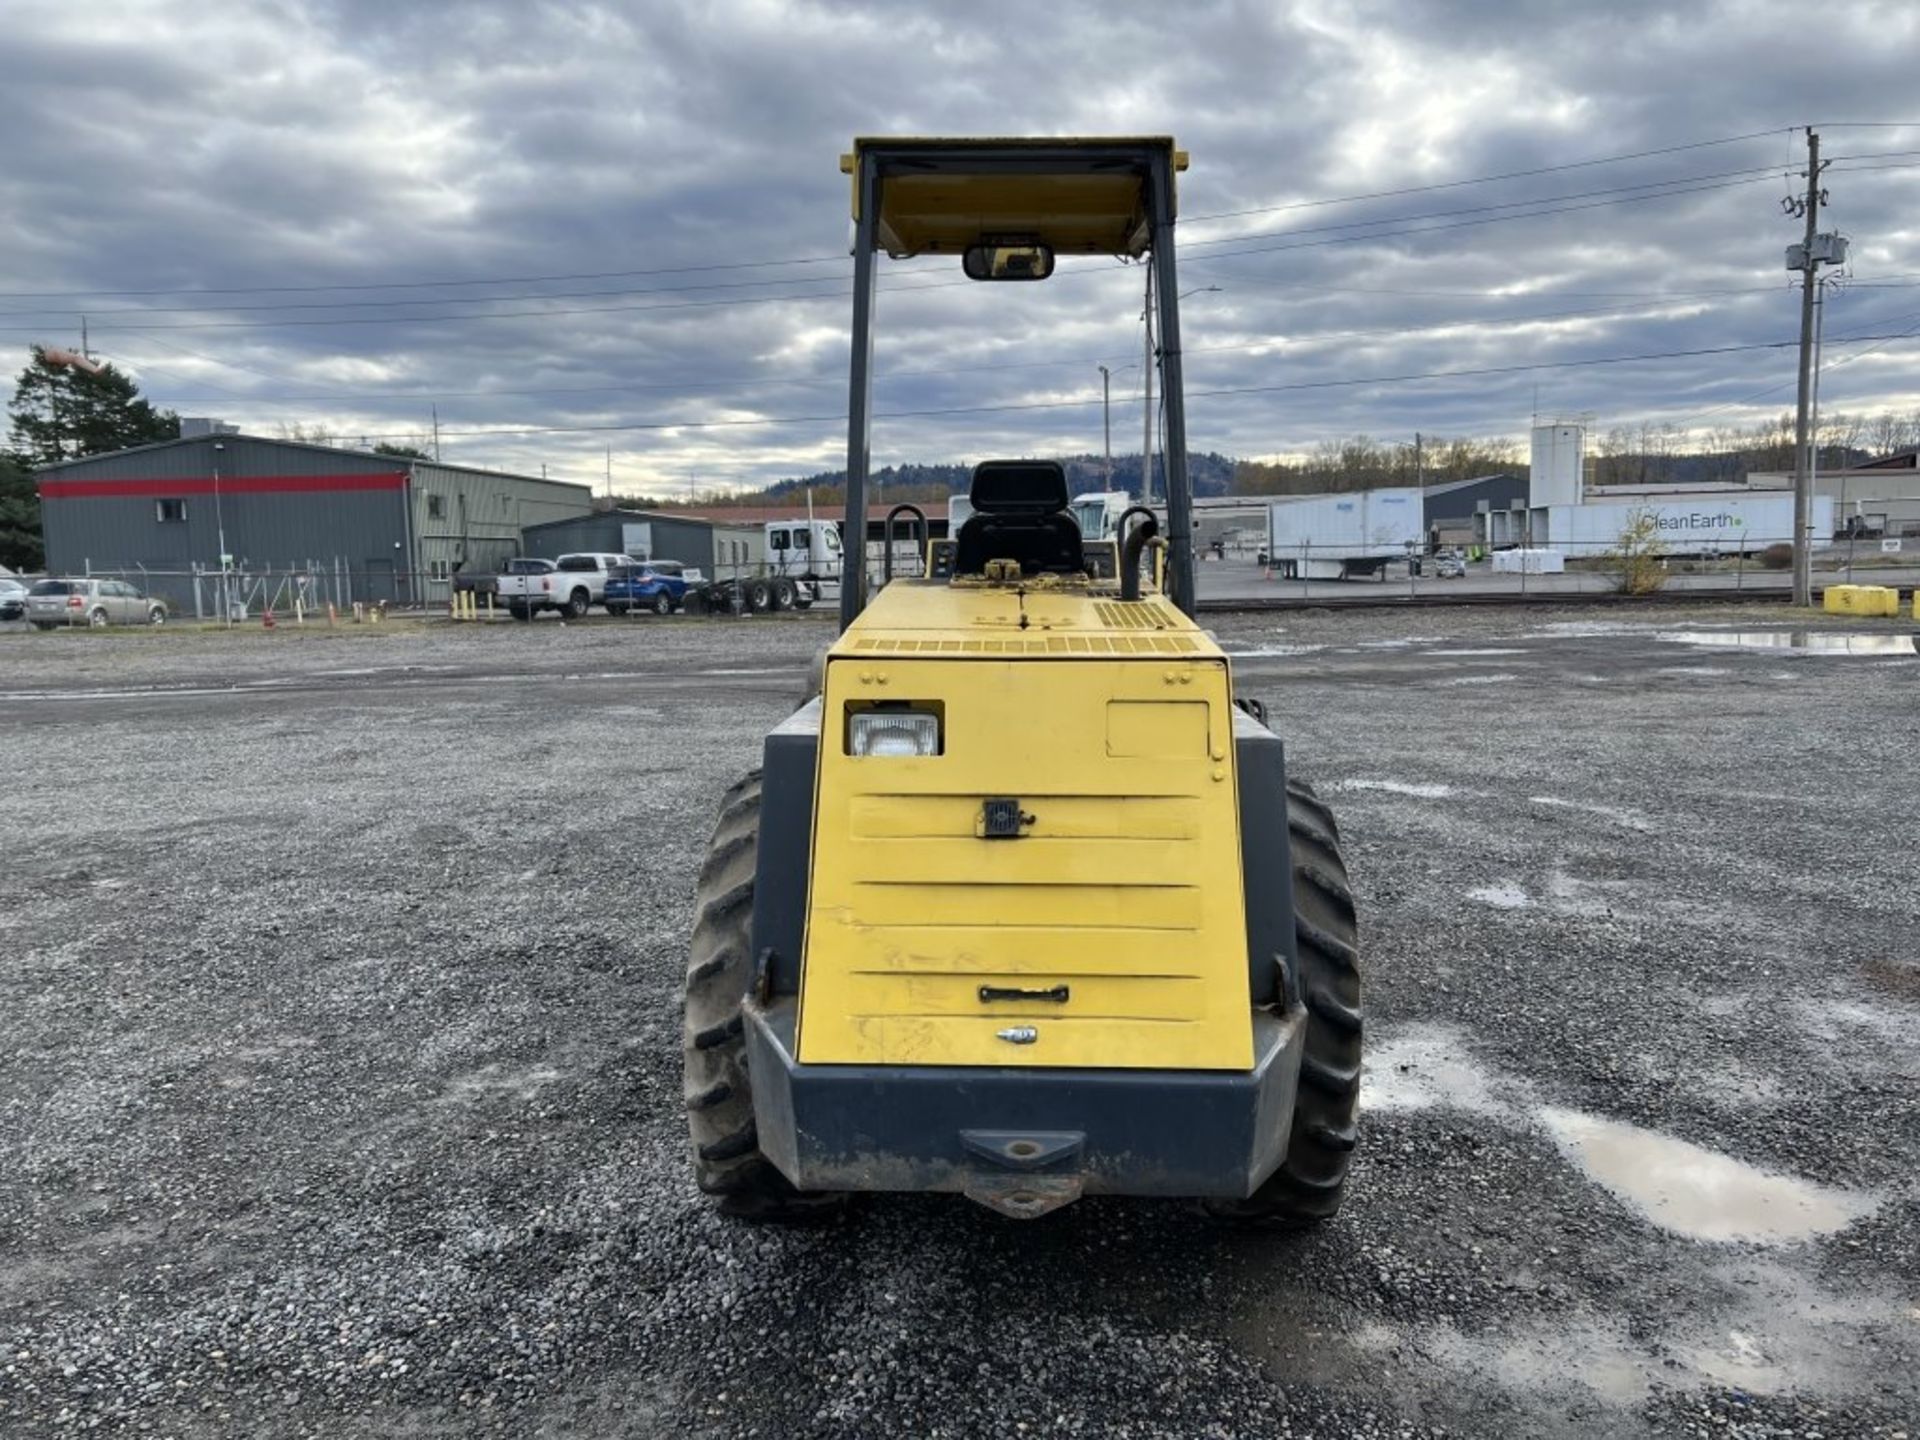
{"x":1696,"y":1192}
{"x":1685,"y":1189}
{"x":1625,"y":819}
{"x":1427,"y":1067}
{"x":1398,"y":787}
{"x":1812,"y":642}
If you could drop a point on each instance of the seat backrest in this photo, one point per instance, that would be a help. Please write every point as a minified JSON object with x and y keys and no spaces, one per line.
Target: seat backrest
{"x":1018,"y":487}
{"x":1020,"y":513}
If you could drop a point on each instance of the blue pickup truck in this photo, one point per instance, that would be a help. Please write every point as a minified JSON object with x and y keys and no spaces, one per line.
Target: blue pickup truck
{"x":656,"y":585}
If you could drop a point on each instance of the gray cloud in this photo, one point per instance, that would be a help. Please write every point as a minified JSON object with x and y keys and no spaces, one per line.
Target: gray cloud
{"x":190,"y":148}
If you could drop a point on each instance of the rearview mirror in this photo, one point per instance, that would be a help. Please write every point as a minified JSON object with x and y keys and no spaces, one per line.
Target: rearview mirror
{"x":1008,"y":262}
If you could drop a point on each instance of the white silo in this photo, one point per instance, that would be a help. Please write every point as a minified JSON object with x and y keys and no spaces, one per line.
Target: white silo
{"x":1559,"y":462}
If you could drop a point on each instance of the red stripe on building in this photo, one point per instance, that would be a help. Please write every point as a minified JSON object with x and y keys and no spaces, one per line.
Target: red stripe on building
{"x":180,"y":487}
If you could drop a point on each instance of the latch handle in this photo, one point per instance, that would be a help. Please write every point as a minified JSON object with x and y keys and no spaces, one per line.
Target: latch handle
{"x":989,"y":993}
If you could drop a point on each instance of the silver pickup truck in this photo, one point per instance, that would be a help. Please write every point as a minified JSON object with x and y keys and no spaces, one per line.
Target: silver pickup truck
{"x":572,"y":584}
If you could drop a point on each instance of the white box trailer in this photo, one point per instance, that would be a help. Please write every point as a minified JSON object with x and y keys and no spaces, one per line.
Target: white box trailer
{"x":1706,"y":524}
{"x":1332,"y":537}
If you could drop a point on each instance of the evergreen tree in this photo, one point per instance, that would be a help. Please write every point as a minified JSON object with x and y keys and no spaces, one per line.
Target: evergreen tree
{"x":20,"y":547}
{"x":63,"y":412}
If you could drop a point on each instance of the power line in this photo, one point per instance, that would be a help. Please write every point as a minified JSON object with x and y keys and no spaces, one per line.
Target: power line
{"x":424,"y":284}
{"x":695,"y":386}
{"x":1036,"y":405}
{"x":1664,"y":187}
{"x":433,"y":299}
{"x":897,"y":289}
{"x":1755,"y":171}
{"x":336,"y":286}
{"x":1661,"y":187}
{"x":1487,"y":179}
{"x":1483,"y":220}
{"x":1761,"y":393}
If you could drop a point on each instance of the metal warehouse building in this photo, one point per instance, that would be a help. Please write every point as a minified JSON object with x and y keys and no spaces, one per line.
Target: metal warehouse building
{"x":356,"y":525}
{"x":648,"y":535}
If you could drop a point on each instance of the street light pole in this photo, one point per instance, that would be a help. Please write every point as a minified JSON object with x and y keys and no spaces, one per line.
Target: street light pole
{"x":1106,"y":418}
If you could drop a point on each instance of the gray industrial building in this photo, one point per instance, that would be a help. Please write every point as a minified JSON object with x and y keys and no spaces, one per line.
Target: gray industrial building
{"x":648,"y":535}
{"x":1449,"y":508}
{"x":359,"y":525}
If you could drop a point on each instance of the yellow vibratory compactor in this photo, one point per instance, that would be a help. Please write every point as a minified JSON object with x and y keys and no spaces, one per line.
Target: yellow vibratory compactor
{"x":1022,"y":903}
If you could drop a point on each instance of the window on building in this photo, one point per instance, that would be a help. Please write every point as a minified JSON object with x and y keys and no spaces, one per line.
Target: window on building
{"x":436,"y":507}
{"x":169,"y":511}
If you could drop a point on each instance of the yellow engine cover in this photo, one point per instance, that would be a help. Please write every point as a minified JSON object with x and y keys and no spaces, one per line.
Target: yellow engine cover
{"x":1111,"y":726}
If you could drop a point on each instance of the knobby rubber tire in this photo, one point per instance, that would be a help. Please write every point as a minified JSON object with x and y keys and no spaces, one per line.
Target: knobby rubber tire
{"x":1308,"y":1186}
{"x":727,"y":1161}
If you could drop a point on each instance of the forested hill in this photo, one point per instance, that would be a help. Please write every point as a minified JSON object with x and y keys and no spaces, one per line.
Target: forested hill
{"x":1212,"y":475}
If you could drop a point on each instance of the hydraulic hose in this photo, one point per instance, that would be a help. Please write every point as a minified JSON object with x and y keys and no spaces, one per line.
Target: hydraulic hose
{"x":1130,"y":547}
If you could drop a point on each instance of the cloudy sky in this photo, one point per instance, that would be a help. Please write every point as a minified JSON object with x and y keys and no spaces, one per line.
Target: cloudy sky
{"x":570,"y":227}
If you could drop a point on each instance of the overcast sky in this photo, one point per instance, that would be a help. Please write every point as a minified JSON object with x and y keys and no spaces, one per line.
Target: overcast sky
{"x":632,"y":216}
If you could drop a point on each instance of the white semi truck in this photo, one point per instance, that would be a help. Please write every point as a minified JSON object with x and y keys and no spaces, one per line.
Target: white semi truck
{"x":775,"y":565}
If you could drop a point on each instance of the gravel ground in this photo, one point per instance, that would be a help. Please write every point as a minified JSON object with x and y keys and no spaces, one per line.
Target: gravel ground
{"x":339,"y":1073}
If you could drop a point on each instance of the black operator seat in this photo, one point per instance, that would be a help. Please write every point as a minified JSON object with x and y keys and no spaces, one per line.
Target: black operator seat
{"x":1020,"y":513}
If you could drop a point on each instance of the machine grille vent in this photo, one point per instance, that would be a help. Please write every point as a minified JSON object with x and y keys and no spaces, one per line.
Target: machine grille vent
{"x":1136,"y":615}
{"x":1044,"y":645}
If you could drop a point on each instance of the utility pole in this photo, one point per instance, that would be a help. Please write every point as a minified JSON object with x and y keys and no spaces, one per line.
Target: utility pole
{"x":85,"y":349}
{"x":1146,"y":442}
{"x":1802,"y":478}
{"x":1419,"y":467}
{"x":1106,"y":419}
{"x":436,"y":431}
{"x":220,"y":531}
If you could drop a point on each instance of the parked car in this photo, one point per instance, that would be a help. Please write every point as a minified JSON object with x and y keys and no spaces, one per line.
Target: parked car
{"x":91,"y":601}
{"x":656,"y":585}
{"x":13,"y":599}
{"x":1450,"y":565}
{"x":571,"y":584}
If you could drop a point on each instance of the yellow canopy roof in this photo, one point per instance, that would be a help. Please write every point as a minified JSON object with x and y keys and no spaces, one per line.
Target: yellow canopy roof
{"x":1084,"y":196}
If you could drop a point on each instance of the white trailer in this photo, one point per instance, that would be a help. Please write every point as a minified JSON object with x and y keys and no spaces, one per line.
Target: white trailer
{"x":1333,"y":537}
{"x":1704,"y":524}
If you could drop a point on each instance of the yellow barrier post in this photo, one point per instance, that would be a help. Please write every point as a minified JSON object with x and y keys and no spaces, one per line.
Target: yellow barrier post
{"x":1876,"y":600}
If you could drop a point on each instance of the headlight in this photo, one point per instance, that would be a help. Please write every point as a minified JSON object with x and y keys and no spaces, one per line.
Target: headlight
{"x":893,"y":732}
